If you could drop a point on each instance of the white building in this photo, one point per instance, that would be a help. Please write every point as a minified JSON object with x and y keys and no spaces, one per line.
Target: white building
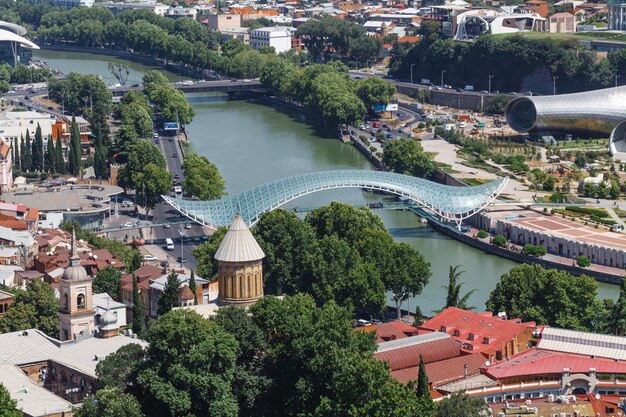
{"x":103,"y":303}
{"x":278,"y":37}
{"x":14,"y":124}
{"x":473,"y":23}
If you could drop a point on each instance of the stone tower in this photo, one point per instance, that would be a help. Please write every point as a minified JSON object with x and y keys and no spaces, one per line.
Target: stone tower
{"x":76,"y":313}
{"x":239,"y":266}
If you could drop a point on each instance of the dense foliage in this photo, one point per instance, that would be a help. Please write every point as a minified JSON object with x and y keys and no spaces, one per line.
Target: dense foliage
{"x":406,"y":156}
{"x":8,"y":406}
{"x":202,"y":178}
{"x":517,"y":63}
{"x":107,"y":281}
{"x":337,"y":253}
{"x":550,"y":297}
{"x":287,"y":358}
{"x":35,"y":307}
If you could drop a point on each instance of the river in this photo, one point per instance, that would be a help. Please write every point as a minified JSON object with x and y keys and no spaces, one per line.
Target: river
{"x":252,"y":143}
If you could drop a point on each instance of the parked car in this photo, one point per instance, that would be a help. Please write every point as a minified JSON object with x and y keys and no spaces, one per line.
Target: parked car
{"x":127,"y":203}
{"x":149,"y":258}
{"x":181,"y":260}
{"x":188,"y":226}
{"x":156,"y":135}
{"x":128,"y":224}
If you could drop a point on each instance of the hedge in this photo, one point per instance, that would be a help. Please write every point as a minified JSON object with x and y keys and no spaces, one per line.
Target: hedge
{"x":587,"y":210}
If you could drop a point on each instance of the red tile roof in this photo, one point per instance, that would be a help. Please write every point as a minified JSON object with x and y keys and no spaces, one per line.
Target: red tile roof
{"x":408,"y":39}
{"x":480,"y":327}
{"x":409,"y":356}
{"x":389,"y":331}
{"x":536,"y":362}
{"x":445,"y":371}
{"x":144,"y":274}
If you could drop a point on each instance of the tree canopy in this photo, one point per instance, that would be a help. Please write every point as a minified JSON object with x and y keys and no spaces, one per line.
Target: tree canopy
{"x":107,"y":281}
{"x":35,"y":307}
{"x":202,"y":178}
{"x":406,"y":156}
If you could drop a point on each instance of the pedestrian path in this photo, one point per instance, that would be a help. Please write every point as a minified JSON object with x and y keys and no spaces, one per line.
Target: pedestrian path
{"x":615,"y":217}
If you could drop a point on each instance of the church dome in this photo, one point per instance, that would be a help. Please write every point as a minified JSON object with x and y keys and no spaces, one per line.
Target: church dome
{"x":239,"y":245}
{"x":108,"y":318}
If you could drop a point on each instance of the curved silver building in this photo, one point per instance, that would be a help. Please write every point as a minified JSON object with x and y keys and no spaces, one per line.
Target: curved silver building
{"x":594,"y":112}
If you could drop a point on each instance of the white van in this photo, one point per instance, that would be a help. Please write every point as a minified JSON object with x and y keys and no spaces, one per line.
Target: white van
{"x":169,"y":244}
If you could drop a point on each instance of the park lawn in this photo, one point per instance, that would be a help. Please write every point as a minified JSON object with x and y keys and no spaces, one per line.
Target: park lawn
{"x":474,"y":181}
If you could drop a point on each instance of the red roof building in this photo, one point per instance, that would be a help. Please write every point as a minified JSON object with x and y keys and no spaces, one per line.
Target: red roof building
{"x":495,"y":338}
{"x":406,"y":353}
{"x":392,"y":330}
{"x":445,"y":371}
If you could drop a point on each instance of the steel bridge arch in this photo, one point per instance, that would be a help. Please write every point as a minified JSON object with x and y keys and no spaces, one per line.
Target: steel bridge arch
{"x":451,"y":203}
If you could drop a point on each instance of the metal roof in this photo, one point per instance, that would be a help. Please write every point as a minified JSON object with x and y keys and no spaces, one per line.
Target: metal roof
{"x":26,"y":346}
{"x":432,"y":349}
{"x":572,"y":341}
{"x":410,"y":341}
{"x":452,"y":203}
{"x":239,"y":245}
{"x":7,"y":36}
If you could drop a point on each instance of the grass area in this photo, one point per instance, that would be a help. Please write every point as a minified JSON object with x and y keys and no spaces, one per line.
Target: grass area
{"x":580,"y":36}
{"x":473,"y":181}
{"x":620,"y":213}
{"x":446,"y":168}
{"x":579,"y":143}
{"x":186,"y":146}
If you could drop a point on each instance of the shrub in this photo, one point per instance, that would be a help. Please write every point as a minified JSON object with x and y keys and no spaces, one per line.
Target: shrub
{"x":583,"y":261}
{"x":482,"y":234}
{"x":499,"y":241}
{"x":534,"y":250}
{"x":587,"y":210}
{"x":606,"y":222}
{"x":421,"y":125}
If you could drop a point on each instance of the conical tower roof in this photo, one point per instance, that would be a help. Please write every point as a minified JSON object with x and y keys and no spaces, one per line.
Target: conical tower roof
{"x":239,"y":245}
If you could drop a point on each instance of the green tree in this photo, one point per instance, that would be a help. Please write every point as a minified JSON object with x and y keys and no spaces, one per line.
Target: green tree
{"x":100,"y":165}
{"x":37,"y":151}
{"x":50,"y":158}
{"x":614,"y":190}
{"x":500,"y":241}
{"x":343,"y":220}
{"x":202,"y":178}
{"x":107,"y":281}
{"x":118,"y":370}
{"x":36,"y":307}
{"x":374,"y":90}
{"x":119,"y":70}
{"x":275,"y":72}
{"x":618,"y":313}
{"x":285,"y":240}
{"x":138,"y":319}
{"x":422,"y":388}
{"x":151,"y":184}
{"x":548,"y":183}
{"x":547,"y":296}
{"x":110,"y":402}
{"x":133,"y":261}
{"x":583,"y":261}
{"x":169,"y":297}
{"x":27,"y":154}
{"x":453,"y":297}
{"x":74,"y":151}
{"x":8,"y":406}
{"x":192,"y":287}
{"x":205,"y":253}
{"x":17,"y":161}
{"x":137,"y":117}
{"x":406,"y":156}
{"x":59,"y":159}
{"x":497,"y":104}
{"x":460,"y":404}
{"x":142,"y":152}
{"x":189,"y":368}
{"x":153,"y":78}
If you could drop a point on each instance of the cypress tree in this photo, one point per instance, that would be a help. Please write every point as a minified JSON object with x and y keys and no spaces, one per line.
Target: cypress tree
{"x":50,"y":159}
{"x":192,"y":287}
{"x":75,"y":165}
{"x":100,"y":162}
{"x":27,"y":164}
{"x":17,"y":162}
{"x":38,"y":161}
{"x":22,"y":153}
{"x":422,"y":390}
{"x":137,"y":308}
{"x":619,"y":311}
{"x":33,"y":154}
{"x":59,"y":164}
{"x":169,"y":297}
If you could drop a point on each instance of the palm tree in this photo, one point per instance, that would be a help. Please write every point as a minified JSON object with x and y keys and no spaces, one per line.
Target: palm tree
{"x":454,"y":299}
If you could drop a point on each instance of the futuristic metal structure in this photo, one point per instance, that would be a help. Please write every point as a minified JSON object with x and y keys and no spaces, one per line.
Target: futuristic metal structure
{"x":473,"y":23}
{"x":452,"y":203}
{"x":14,"y":48}
{"x":597,"y":112}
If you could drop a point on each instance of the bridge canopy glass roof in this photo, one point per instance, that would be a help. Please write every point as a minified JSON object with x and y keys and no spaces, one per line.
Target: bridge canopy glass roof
{"x":452,"y":203}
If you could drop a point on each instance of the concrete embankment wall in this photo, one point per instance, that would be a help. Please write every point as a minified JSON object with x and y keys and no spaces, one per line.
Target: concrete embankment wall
{"x":449,"y":98}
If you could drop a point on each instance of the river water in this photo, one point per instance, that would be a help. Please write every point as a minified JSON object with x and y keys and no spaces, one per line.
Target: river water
{"x":252,"y":143}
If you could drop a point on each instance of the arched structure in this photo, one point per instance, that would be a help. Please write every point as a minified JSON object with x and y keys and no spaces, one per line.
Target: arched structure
{"x":452,"y":203}
{"x":12,"y":42}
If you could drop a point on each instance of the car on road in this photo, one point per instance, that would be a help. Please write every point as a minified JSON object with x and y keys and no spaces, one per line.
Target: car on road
{"x":188,"y":82}
{"x":188,"y":226}
{"x":176,"y":176}
{"x":204,"y":238}
{"x":149,"y":258}
{"x":138,"y":242}
{"x":50,"y":108}
{"x":389,"y":136}
{"x":462,"y":125}
{"x":247,"y":81}
{"x":484,"y":92}
{"x":166,"y":226}
{"x":181,"y":260}
{"x":156,"y":135}
{"x":128,"y":224}
{"x":196,"y":239}
{"x":135,"y":85}
{"x":174,"y":155}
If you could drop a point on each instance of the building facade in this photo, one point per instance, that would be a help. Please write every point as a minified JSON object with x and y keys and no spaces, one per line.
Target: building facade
{"x":277,"y":37}
{"x":616,"y":16}
{"x":219,"y":22}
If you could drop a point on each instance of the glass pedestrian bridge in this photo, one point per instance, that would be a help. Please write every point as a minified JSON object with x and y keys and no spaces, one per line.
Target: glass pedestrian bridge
{"x":451,"y":203}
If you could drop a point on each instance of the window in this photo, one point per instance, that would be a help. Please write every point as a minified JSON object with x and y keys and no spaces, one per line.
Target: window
{"x":80,"y":301}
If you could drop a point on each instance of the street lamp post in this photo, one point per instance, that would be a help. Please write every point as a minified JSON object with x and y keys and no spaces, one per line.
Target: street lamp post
{"x":412,"y":65}
{"x":442,"y":72}
{"x":554,"y":77}
{"x":616,"y":77}
{"x":490,"y":77}
{"x":182,"y":244}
